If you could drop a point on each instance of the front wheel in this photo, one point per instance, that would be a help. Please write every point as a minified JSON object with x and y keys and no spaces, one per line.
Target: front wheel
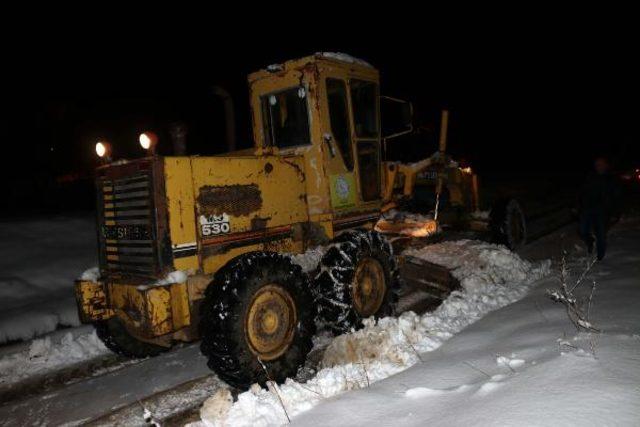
{"x":508,"y":224}
{"x":357,"y":278}
{"x":257,"y":320}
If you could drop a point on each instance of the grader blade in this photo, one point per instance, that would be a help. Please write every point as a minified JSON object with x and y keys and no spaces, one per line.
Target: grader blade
{"x":432,"y":278}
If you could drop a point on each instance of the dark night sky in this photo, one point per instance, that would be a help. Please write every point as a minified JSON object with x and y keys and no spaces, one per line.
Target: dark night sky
{"x":536,"y":101}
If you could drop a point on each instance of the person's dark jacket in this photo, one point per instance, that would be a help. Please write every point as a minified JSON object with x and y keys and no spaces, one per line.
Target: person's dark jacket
{"x":600,"y":194}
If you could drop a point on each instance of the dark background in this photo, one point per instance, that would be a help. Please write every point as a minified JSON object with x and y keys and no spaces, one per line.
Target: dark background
{"x":535,"y":102}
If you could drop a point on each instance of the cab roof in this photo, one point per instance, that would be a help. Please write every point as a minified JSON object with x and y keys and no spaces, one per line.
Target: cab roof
{"x":339,"y":59}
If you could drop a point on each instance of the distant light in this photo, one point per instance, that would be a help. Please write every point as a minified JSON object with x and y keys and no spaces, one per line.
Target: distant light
{"x":466,"y":170}
{"x":148,"y":140}
{"x":102,"y":149}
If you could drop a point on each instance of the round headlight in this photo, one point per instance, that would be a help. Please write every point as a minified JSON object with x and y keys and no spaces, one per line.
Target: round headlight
{"x":148,"y":140}
{"x":145,"y":141}
{"x":102,"y":149}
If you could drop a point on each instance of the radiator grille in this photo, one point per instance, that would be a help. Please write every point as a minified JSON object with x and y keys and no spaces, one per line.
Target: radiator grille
{"x":127,"y":225}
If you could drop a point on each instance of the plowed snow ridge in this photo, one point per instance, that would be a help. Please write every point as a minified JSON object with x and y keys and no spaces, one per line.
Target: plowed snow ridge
{"x":491,"y":276}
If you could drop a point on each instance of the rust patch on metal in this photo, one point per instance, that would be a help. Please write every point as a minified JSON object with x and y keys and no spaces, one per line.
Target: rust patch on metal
{"x":258,"y":223}
{"x":236,"y":200}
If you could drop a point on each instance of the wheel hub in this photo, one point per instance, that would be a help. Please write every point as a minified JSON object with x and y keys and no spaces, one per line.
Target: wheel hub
{"x":369,"y":287}
{"x":270,"y":322}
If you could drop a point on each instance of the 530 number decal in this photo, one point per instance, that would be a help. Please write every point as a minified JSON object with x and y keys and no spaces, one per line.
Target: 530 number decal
{"x":211,"y":225}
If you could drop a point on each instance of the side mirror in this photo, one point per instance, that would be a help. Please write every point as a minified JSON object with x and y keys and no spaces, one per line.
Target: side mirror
{"x":397,"y":117}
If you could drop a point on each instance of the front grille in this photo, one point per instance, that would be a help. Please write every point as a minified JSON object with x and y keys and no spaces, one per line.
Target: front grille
{"x":127,"y":223}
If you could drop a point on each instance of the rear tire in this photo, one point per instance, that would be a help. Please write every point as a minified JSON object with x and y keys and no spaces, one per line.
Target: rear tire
{"x":342,"y":301}
{"x":117,"y":339}
{"x":258,"y":308}
{"x":508,"y":224}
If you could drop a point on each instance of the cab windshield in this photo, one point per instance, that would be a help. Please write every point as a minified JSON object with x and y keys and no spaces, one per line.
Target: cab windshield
{"x":286,"y":118}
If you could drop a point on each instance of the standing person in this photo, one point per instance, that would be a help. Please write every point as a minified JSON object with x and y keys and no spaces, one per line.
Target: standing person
{"x":598,"y":204}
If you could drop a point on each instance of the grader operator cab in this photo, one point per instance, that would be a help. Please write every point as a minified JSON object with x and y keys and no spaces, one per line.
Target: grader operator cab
{"x":199,"y":247}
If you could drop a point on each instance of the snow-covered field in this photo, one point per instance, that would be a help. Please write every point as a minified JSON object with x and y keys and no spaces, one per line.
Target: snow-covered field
{"x":40,"y":260}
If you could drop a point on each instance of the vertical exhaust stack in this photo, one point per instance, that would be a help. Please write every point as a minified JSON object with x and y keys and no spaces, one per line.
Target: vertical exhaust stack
{"x":178,"y":131}
{"x":229,"y":116}
{"x":444,"y":124}
{"x":442,"y":148}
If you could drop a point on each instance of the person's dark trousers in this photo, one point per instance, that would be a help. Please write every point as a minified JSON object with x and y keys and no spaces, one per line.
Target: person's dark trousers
{"x":594,"y":220}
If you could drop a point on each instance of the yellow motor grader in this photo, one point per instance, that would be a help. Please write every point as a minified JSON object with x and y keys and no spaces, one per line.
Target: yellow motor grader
{"x":197,"y":247}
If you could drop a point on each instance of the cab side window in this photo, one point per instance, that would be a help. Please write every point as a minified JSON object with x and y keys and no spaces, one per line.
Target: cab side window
{"x":364,"y":97}
{"x":339,"y":118}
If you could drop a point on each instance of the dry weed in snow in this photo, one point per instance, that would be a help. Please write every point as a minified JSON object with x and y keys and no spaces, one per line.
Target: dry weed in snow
{"x":577,"y":309}
{"x":491,"y":276}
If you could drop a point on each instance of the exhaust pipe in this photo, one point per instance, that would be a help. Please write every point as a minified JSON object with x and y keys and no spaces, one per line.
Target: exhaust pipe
{"x":229,"y":116}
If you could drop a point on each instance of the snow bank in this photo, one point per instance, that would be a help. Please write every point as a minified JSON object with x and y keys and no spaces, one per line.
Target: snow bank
{"x":492,"y":277}
{"x":47,"y":354}
{"x":524,"y":364}
{"x":40,"y":260}
{"x":476,"y":264}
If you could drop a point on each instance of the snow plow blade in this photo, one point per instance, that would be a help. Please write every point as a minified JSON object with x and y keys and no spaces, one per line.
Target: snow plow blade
{"x":427,"y":276}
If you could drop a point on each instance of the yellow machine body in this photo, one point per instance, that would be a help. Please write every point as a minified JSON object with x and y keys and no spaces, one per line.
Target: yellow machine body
{"x":167,"y":224}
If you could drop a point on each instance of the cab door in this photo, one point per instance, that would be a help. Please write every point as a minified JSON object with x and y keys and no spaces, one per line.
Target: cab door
{"x":366,"y":137}
{"x":340,"y":160}
{"x":353,"y":139}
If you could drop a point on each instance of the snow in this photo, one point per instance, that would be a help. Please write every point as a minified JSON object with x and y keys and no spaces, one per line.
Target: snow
{"x":343,"y":57}
{"x":524,"y":364}
{"x":48,"y":354}
{"x":398,"y":215}
{"x":407,"y":223}
{"x":91,"y":275}
{"x":163,"y":380}
{"x":498,"y":352}
{"x":391,"y":345}
{"x":310,"y":259}
{"x":481,"y":215}
{"x":477,"y":263}
{"x":40,"y":260}
{"x":177,"y":276}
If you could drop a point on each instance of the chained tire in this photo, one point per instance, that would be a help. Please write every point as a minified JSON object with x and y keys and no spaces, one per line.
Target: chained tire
{"x":257,"y":320}
{"x":116,"y":338}
{"x":508,"y":224}
{"x":357,"y":278}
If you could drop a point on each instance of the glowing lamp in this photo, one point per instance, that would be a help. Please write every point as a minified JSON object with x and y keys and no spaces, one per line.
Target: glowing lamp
{"x":103,"y":150}
{"x":148,"y":141}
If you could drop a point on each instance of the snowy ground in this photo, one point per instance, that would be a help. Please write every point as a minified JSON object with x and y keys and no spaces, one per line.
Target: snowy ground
{"x":524,"y":364}
{"x":438,"y":368}
{"x":491,"y":277}
{"x":40,"y":260}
